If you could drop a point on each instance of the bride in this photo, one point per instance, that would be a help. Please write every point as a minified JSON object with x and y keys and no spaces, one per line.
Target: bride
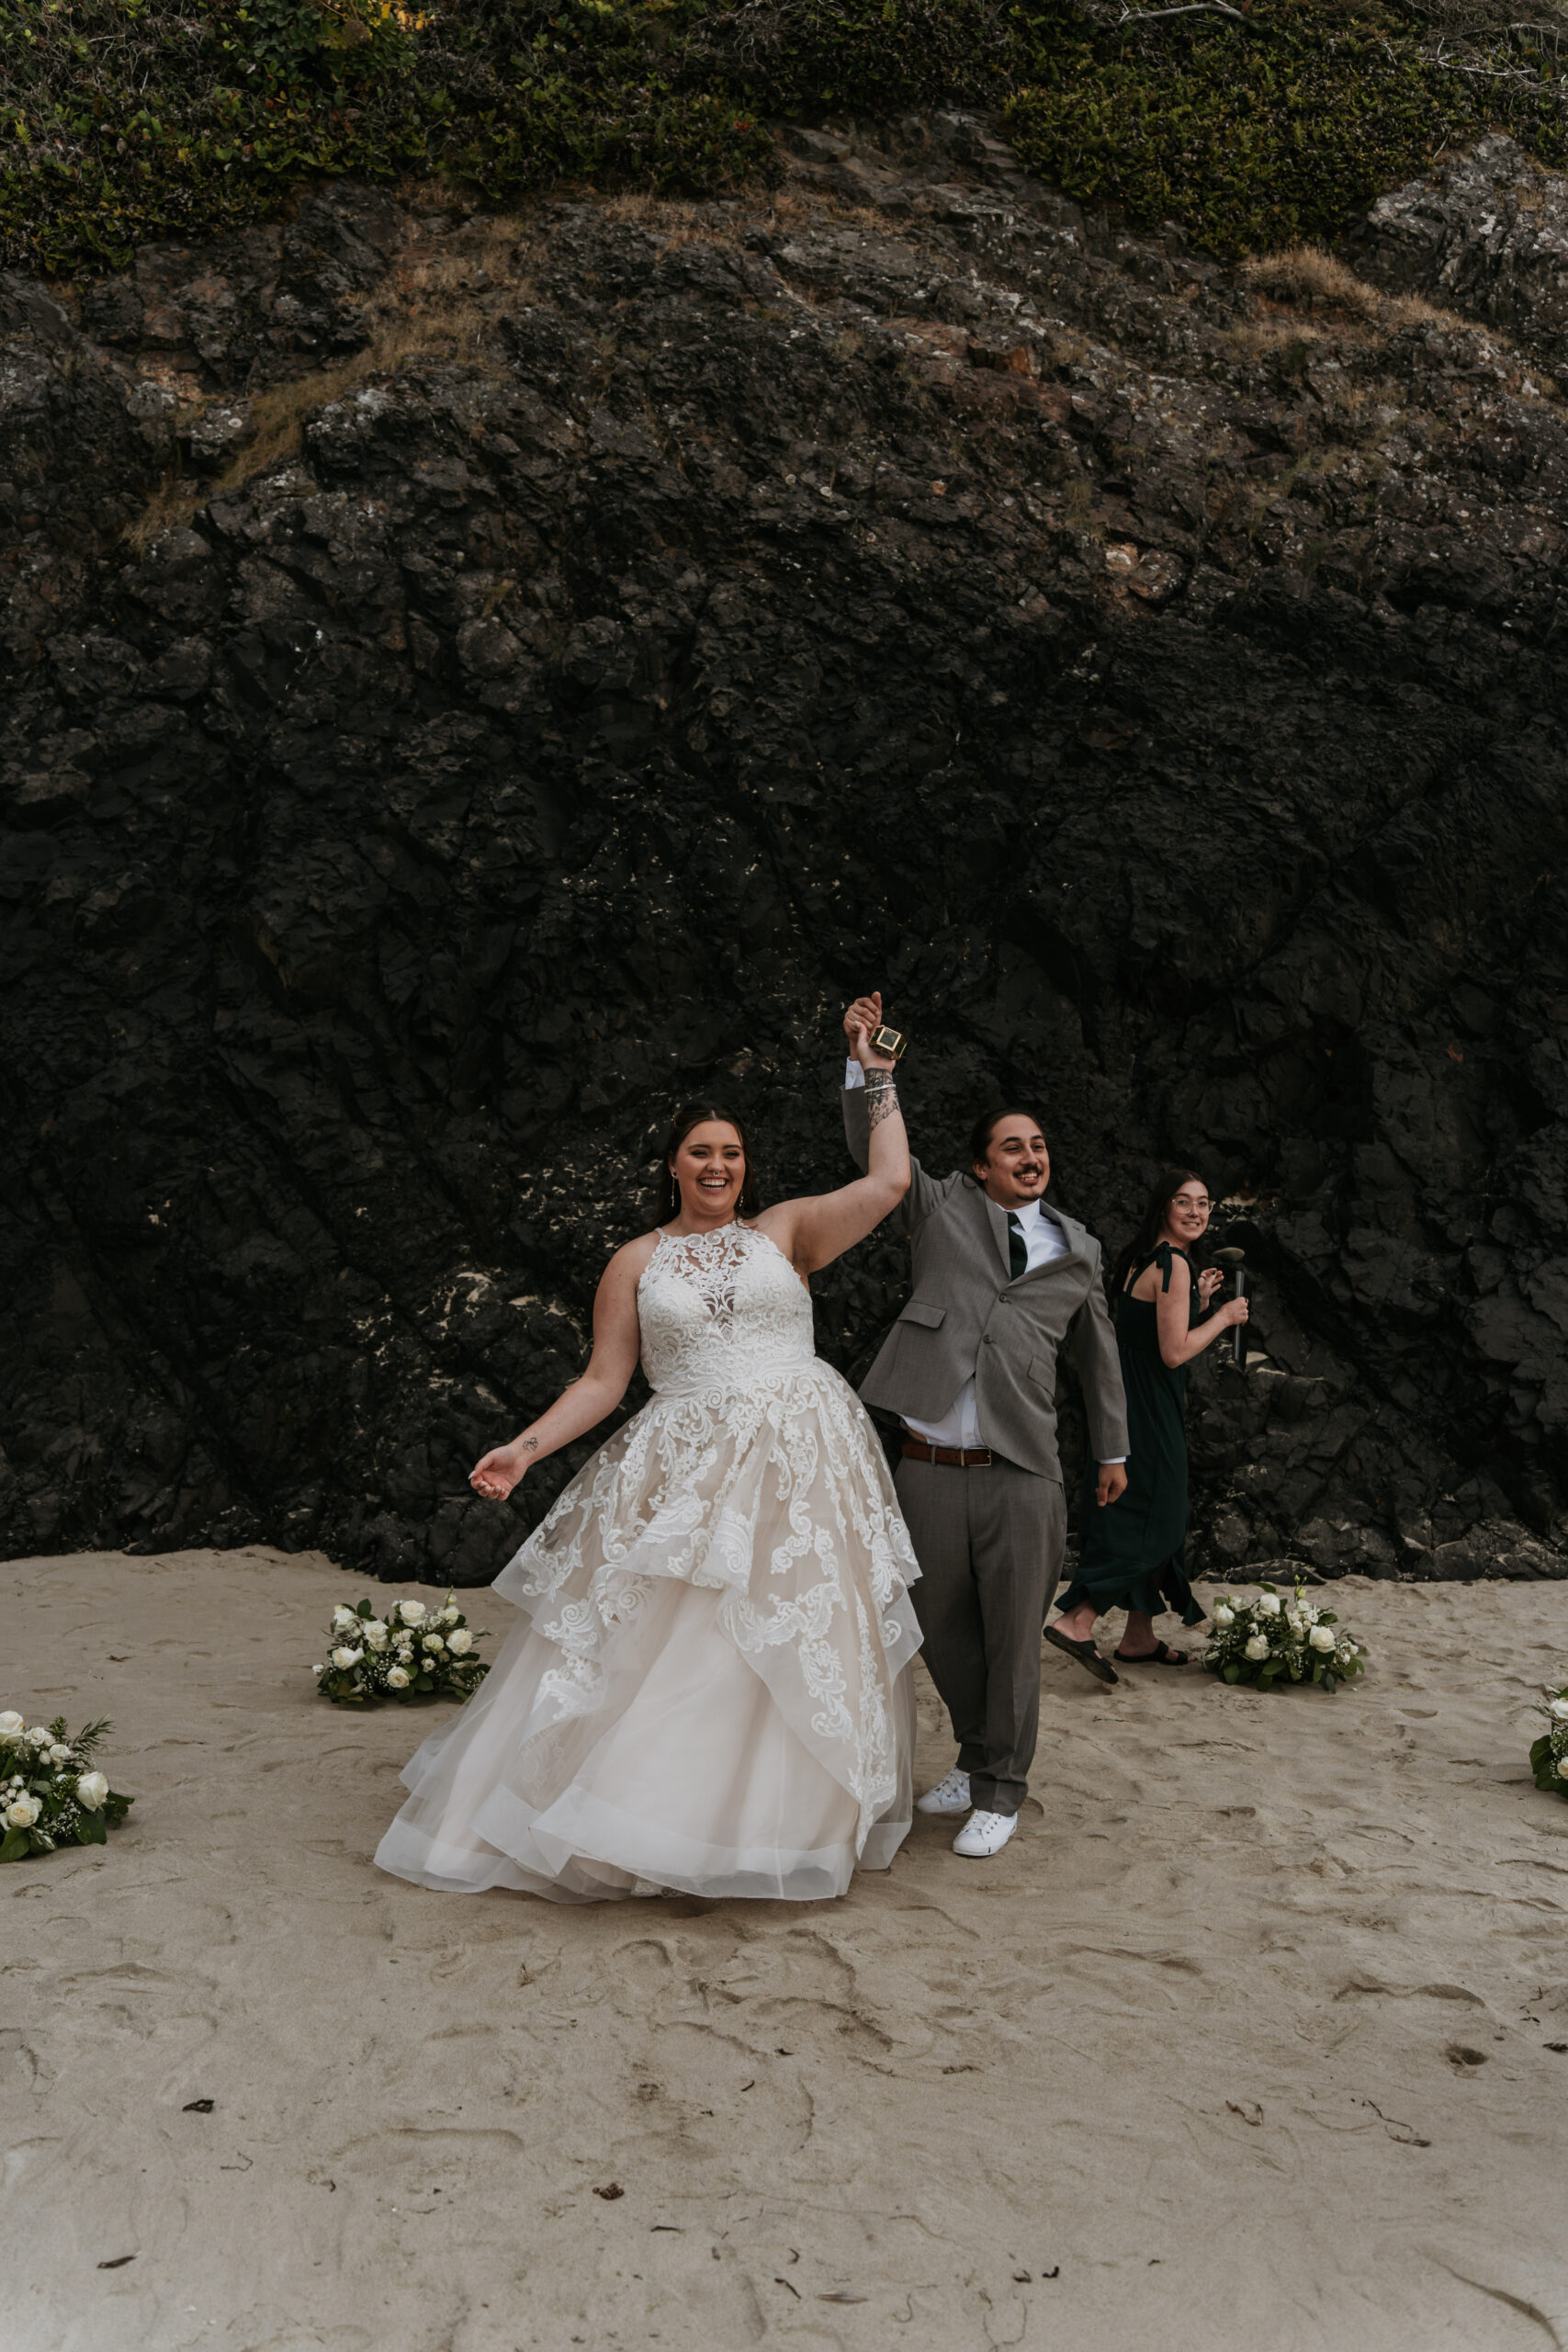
{"x":712,"y":1689}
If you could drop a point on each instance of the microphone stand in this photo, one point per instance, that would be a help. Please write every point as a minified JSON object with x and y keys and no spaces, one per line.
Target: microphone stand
{"x":1234,"y":1263}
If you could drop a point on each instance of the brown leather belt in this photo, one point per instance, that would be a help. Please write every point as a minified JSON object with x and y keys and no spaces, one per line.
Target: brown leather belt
{"x":956,"y":1457}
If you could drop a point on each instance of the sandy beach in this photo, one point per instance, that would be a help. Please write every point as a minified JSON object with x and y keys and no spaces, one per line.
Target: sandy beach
{"x":1247,"y":2039}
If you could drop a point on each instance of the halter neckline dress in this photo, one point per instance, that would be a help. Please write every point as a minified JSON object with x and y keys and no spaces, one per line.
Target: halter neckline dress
{"x":711,"y":1690}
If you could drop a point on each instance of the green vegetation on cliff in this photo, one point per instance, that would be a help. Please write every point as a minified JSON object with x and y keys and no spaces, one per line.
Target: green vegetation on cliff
{"x":124,"y":120}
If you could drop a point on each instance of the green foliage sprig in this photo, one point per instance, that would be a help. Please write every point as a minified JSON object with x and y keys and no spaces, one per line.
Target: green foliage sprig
{"x":1269,"y":1641}
{"x":180,"y":119}
{"x":123,"y":121}
{"x":1548,"y":1754}
{"x":414,"y":1652}
{"x":1258,"y":135}
{"x":50,"y":1792}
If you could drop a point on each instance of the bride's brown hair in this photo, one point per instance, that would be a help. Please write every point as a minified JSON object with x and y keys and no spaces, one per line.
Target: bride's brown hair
{"x":667,"y":1193}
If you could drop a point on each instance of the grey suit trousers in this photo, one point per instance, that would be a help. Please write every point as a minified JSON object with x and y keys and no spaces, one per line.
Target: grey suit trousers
{"x":989,"y":1542}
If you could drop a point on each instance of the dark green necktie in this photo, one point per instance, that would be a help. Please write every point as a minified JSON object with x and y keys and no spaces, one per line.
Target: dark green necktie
{"x":1018,"y":1248}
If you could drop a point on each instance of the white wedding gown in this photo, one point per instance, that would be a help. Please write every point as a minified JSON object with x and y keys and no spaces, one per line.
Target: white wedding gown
{"x":714,"y":1689}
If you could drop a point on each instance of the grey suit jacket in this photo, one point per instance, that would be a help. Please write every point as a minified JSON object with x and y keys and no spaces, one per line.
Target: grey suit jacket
{"x":966,"y":1314}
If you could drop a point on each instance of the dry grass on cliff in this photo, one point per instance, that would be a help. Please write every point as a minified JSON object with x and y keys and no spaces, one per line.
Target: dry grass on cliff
{"x":439,"y":303}
{"x":1306,"y":279}
{"x":724,"y":224}
{"x":1310,"y":298}
{"x":431,"y":308}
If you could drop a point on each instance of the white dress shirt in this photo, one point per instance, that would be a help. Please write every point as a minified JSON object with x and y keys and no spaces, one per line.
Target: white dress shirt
{"x":1044,"y":1239}
{"x":960,"y":1425}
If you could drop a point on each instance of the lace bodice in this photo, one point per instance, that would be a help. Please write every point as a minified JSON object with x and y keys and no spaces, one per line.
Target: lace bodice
{"x":721,"y":1310}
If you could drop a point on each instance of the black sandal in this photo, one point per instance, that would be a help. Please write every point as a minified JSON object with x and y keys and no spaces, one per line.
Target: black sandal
{"x":1158,"y":1656}
{"x":1086,"y":1654}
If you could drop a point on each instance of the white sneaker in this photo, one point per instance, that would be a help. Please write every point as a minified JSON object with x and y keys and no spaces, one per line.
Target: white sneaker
{"x":985,"y":1833}
{"x":951,"y":1796}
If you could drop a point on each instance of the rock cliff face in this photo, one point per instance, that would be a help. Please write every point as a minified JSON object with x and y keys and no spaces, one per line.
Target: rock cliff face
{"x":554,"y":663}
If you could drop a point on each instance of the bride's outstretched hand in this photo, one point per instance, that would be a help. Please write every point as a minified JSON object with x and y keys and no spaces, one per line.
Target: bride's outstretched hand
{"x":495,"y":1476}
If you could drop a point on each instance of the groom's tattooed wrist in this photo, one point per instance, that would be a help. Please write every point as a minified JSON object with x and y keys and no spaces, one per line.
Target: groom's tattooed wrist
{"x":884,"y":1101}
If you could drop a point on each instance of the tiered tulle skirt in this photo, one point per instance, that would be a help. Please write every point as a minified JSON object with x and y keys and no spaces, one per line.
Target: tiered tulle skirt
{"x":711,"y":1688}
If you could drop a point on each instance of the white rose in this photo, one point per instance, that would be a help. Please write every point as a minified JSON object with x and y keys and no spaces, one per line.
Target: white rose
{"x":40,"y":1735}
{"x":10,"y":1725}
{"x":58,"y":1755}
{"x":22,"y":1811}
{"x":433,"y":1641}
{"x":1321,"y":1637}
{"x":1224,"y":1616}
{"x":342,"y":1617}
{"x":374,"y":1625}
{"x":397,"y":1680}
{"x":91,"y":1790}
{"x":460,"y":1641}
{"x":1269,"y":1604}
{"x":1559,"y":1707}
{"x":345,"y":1658}
{"x":451,"y":1613}
{"x":378,"y":1642}
{"x":1257,"y":1646}
{"x":413,"y":1612}
{"x":1563,"y":1768}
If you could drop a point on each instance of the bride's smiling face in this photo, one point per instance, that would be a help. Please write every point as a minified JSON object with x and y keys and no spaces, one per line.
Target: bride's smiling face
{"x":709,"y":1165}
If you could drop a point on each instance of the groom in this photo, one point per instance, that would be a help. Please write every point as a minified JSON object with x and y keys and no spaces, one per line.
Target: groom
{"x":1002,"y":1285}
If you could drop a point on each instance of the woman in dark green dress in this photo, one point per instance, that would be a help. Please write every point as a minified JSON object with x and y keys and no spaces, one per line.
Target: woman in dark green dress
{"x":1130,"y":1553}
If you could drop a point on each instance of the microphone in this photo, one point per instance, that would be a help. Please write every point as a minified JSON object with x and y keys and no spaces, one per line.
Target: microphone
{"x":1234,"y":1262}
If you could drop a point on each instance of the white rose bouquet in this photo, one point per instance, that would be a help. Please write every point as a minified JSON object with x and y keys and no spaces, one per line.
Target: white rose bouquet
{"x":1548,"y":1754}
{"x":411,"y":1651}
{"x":51,"y":1793}
{"x":1270,"y":1640}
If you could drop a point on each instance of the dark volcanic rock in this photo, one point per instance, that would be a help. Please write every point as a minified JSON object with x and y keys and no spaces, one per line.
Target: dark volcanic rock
{"x":1487,"y":234}
{"x":672,"y":622}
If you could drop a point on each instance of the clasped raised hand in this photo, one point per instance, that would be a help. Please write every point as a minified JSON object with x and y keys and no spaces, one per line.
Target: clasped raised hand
{"x":861,"y":1021}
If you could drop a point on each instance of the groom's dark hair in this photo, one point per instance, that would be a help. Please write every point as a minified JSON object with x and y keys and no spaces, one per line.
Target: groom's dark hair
{"x":985,"y":1127}
{"x":667,"y":1193}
